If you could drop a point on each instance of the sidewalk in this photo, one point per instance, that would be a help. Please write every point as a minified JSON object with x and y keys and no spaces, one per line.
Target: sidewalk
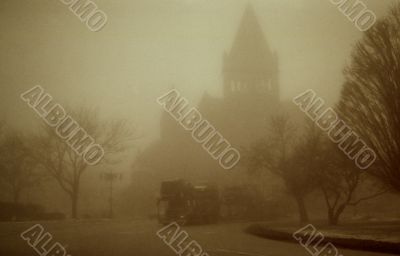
{"x":368,"y":236}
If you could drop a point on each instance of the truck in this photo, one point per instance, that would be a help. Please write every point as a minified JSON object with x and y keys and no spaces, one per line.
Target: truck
{"x":184,"y":203}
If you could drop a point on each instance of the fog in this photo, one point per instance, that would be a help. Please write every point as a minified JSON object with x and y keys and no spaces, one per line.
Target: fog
{"x":149,"y":46}
{"x":196,"y":47}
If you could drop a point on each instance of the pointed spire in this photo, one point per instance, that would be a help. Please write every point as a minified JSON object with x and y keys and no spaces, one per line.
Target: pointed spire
{"x":249,"y":11}
{"x":250,"y":46}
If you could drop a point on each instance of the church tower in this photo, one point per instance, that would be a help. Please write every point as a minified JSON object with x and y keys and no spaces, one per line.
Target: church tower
{"x":250,"y":69}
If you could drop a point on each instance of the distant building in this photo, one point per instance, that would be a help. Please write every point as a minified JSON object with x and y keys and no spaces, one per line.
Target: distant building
{"x":250,"y":95}
{"x":250,"y":88}
{"x":250,"y":68}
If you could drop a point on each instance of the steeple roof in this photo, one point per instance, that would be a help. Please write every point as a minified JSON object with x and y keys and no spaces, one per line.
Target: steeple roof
{"x":250,"y":48}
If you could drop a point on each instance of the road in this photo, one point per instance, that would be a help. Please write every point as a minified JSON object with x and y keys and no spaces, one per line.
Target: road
{"x":138,"y":238}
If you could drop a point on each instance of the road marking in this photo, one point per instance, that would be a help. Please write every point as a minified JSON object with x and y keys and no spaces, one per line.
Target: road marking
{"x":235,"y":252}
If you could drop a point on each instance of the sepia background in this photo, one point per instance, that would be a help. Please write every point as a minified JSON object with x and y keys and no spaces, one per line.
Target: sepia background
{"x":151,"y":46}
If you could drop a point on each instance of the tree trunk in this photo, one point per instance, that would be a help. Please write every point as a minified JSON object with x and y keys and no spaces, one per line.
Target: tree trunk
{"x":75,"y":197}
{"x":16,"y":197}
{"x":334,"y":216}
{"x":303,"y":215}
{"x":74,"y":205}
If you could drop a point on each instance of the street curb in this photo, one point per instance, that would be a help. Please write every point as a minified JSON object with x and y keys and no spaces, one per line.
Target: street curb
{"x":348,"y":243}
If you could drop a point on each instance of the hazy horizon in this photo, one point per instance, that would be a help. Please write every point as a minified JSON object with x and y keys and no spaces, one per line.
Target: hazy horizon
{"x":149,"y":46}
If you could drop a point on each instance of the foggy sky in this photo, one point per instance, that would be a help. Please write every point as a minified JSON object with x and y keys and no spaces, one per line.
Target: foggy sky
{"x":148,"y":46}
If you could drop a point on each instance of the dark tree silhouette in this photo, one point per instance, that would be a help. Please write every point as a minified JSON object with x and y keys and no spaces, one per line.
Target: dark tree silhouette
{"x":341,"y":181}
{"x":18,"y":171}
{"x":370,"y":99}
{"x":279,"y":155}
{"x":332,"y":172}
{"x":66,"y":166}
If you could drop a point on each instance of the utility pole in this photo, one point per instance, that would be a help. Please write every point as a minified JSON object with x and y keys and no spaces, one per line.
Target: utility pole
{"x":110,"y":177}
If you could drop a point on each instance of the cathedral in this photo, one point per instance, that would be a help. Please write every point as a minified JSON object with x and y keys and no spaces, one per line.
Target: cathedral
{"x":250,"y":95}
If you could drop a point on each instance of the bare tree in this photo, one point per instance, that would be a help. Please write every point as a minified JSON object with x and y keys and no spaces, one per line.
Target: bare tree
{"x":17,"y":169}
{"x":64,"y":164}
{"x":370,"y":97}
{"x":330,"y":170}
{"x":277,"y":154}
{"x":340,"y":181}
